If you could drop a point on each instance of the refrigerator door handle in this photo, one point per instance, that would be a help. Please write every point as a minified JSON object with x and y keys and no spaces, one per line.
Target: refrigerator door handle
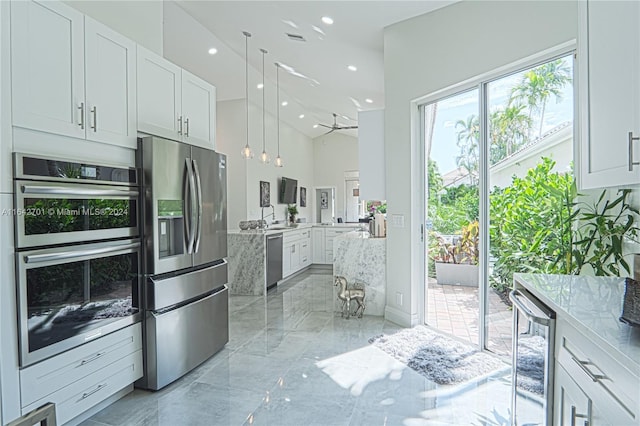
{"x":190,"y":226}
{"x":198,"y":234}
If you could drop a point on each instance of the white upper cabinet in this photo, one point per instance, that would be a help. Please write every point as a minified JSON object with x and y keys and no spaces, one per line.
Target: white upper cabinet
{"x":159,"y":95}
{"x":198,"y":110}
{"x":56,"y":54}
{"x":609,"y":93}
{"x":47,"y":67}
{"x":174,"y":103}
{"x":110,"y":85}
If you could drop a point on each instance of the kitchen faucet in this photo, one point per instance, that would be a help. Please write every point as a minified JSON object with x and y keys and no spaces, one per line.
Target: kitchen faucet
{"x":272,"y":214}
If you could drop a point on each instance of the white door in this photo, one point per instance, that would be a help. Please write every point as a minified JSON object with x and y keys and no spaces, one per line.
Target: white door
{"x":47,"y":67}
{"x":198,"y":111}
{"x":159,"y":95}
{"x":110,"y":85}
{"x":609,"y":92}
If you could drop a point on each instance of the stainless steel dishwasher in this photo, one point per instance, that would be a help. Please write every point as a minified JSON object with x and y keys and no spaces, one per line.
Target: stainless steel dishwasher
{"x":274,"y":259}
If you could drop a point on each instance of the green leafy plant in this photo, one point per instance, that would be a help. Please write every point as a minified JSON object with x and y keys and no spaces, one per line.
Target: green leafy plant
{"x":462,"y":248}
{"x":539,"y":225}
{"x":292,"y":209}
{"x":602,"y":226}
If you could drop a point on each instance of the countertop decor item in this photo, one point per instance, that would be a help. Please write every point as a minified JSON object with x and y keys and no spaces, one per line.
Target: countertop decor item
{"x":293,"y":211}
{"x":631,"y":304}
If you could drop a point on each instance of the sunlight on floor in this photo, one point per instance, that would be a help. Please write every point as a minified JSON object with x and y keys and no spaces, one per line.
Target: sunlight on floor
{"x":356,"y":369}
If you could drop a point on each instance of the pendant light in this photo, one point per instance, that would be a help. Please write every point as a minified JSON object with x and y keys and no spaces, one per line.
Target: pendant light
{"x":246,"y":151}
{"x":278,"y":161}
{"x":264,"y":157}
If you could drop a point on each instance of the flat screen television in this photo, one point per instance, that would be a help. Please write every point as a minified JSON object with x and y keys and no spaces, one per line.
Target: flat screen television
{"x":288,"y":191}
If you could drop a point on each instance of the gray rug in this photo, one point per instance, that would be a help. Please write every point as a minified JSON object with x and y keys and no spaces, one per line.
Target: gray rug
{"x":437,"y":357}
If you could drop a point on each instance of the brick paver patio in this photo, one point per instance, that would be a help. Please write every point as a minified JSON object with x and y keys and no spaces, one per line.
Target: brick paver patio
{"x":454,"y":309}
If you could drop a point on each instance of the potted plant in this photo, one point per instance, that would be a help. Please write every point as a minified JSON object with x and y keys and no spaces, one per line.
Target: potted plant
{"x":293,"y":211}
{"x":456,"y":256}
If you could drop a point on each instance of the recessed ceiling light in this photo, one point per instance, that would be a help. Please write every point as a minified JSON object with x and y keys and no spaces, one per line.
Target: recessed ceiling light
{"x":213,"y":51}
{"x":352,"y":68}
{"x":317,"y":29}
{"x":301,"y":116}
{"x":369,"y":101}
{"x":260,"y":86}
{"x":327,"y":20}
{"x":315,"y":126}
{"x":285,"y":103}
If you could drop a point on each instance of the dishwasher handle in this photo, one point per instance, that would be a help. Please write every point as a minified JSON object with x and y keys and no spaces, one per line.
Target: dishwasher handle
{"x":515,"y":296}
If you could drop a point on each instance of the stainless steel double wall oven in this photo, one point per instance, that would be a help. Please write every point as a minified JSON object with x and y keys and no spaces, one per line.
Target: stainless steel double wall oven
{"x":78,"y":253}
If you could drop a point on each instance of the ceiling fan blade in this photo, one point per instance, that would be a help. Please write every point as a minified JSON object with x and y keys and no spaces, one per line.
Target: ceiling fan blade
{"x":347,"y":127}
{"x":324,"y":125}
{"x":330,"y":131}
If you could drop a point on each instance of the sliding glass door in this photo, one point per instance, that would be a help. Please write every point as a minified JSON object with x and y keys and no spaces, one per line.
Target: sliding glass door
{"x":453,"y":160}
{"x":498,"y":162}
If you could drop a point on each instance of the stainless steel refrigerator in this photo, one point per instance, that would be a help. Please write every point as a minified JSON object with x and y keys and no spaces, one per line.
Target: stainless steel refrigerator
{"x":186,"y":317}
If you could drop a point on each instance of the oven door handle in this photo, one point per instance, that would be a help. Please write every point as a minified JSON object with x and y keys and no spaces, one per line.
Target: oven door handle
{"x":515,"y":296}
{"x":65,"y":190}
{"x":39,"y":258}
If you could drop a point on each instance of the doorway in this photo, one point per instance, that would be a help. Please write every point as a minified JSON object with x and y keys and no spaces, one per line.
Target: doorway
{"x":493,"y":154}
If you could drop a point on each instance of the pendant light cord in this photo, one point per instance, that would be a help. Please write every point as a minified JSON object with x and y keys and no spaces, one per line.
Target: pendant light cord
{"x":278,"y":101}
{"x":246,"y":74}
{"x":263,"y":90}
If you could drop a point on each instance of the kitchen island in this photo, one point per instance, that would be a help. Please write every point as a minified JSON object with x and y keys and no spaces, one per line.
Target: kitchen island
{"x":361,"y":258}
{"x":597,"y":357}
{"x":303,"y":245}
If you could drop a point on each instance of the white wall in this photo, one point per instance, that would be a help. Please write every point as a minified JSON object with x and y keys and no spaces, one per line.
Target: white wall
{"x":428,"y":53}
{"x":141,"y":21}
{"x":244,"y":176}
{"x":335,"y":154}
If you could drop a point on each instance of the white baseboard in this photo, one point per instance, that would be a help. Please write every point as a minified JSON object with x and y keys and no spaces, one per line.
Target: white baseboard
{"x":399,"y":317}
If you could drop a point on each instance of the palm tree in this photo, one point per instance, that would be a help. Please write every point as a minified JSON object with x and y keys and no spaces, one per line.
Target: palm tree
{"x":539,"y":84}
{"x":468,"y":134}
{"x":509,"y":130}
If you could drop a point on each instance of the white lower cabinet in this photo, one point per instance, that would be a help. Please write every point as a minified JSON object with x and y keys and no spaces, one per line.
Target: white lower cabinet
{"x":591,"y":387}
{"x":571,"y":405}
{"x":83,"y":377}
{"x":318,"y":251}
{"x":295,"y":251}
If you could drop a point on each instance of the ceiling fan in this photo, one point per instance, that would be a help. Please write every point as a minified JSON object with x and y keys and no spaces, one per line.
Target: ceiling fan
{"x":336,"y":126}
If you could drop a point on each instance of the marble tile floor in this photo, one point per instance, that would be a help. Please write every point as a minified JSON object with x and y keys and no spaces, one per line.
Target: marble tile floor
{"x":292,"y":360}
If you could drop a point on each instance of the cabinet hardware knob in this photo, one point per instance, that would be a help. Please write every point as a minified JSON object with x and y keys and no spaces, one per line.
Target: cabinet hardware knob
{"x":631,"y":162}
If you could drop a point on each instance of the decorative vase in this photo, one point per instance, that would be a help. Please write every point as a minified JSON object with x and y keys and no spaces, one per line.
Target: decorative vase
{"x":292,"y":219}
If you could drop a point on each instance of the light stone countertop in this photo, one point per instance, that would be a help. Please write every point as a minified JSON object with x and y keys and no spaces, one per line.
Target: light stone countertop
{"x":282,"y":228}
{"x":360,"y":235}
{"x":591,"y":304}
